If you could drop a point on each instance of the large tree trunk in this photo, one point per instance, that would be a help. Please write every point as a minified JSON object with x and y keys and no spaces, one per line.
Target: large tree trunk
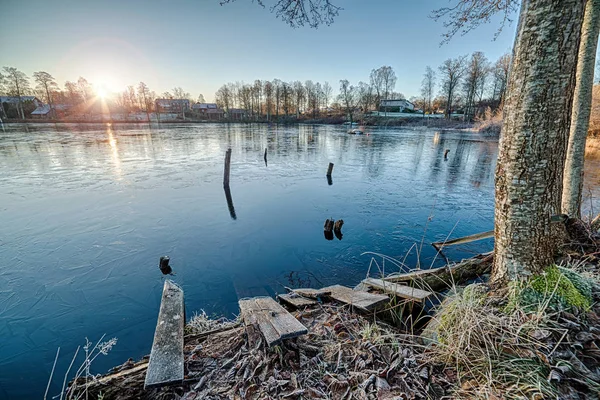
{"x":580,"y":115}
{"x":533,"y":144}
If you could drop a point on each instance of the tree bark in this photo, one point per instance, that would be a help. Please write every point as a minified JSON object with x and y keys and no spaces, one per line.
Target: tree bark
{"x":580,"y":115}
{"x":534,"y":136}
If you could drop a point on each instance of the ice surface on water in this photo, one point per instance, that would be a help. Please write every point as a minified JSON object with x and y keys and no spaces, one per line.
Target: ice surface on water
{"x":87,"y":210}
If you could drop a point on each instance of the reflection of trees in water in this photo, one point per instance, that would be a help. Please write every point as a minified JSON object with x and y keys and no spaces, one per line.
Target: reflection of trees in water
{"x":482,"y":171}
{"x":456,"y":161}
{"x":418,"y":154}
{"x":439,"y":141}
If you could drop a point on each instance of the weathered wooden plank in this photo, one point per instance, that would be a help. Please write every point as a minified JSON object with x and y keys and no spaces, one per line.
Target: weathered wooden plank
{"x":296,"y":300}
{"x":406,"y":292}
{"x":464,"y":239}
{"x":442,"y":278}
{"x":312,"y":293}
{"x":166,"y":358}
{"x":274,"y":322}
{"x":361,"y":300}
{"x":286,"y":325}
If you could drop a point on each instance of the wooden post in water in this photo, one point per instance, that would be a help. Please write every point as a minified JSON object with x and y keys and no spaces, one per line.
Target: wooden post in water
{"x":265,"y":155}
{"x":227,"y":166}
{"x":330,"y":169}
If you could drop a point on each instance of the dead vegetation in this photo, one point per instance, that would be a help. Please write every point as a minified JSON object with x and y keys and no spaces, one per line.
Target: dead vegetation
{"x":343,"y":356}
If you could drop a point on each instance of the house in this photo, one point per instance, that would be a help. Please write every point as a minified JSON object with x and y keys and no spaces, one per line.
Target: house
{"x":24,"y":99}
{"x":172,"y":105}
{"x":237,"y":114}
{"x":397,"y":105}
{"x":208,"y":110}
{"x":43,"y":111}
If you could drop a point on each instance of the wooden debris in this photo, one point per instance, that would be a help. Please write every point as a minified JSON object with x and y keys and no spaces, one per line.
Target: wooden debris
{"x":465,"y":239}
{"x":227,"y":168}
{"x":437,"y":279}
{"x":296,"y":300}
{"x":166,"y":358}
{"x":405,"y":292}
{"x":274,"y":322}
{"x":313,"y":293}
{"x":362,"y":301}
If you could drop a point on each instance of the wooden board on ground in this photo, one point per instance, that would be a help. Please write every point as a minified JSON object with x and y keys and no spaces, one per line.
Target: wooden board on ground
{"x":403,"y":291}
{"x":166,"y":358}
{"x":437,"y":279}
{"x":274,"y":322}
{"x":363,"y":301}
{"x":312,"y":293}
{"x":296,"y":300}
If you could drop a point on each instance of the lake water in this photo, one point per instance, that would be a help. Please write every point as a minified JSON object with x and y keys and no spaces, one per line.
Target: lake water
{"x":87,"y":210}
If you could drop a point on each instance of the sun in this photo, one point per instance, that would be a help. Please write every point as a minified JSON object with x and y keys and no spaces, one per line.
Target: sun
{"x":101,"y":91}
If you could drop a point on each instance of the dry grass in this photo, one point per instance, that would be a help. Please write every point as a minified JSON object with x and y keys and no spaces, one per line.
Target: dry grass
{"x":489,"y":122}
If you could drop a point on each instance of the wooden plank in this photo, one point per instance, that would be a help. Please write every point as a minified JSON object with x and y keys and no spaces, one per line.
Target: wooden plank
{"x":166,"y":358}
{"x":361,"y":300}
{"x":464,"y":239}
{"x":312,"y":293}
{"x":274,"y":322}
{"x":296,"y":300}
{"x":284,"y":323}
{"x":406,"y":292}
{"x":437,"y":279}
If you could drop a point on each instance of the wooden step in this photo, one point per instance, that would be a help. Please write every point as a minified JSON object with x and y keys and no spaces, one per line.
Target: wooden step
{"x":166,"y":358}
{"x":362,"y":301}
{"x":294,"y":299}
{"x":405,"y":292}
{"x":273,"y":321}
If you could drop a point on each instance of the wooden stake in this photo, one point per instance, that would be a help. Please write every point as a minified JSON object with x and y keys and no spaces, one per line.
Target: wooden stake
{"x":265,"y":155}
{"x":330,"y":169}
{"x":227,"y":166}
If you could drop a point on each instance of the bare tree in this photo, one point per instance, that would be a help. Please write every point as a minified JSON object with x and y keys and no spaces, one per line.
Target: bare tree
{"x":179,"y":93}
{"x":348,"y":98}
{"x":451,"y":72}
{"x":327,"y":94}
{"x":18,"y":85}
{"x":46,"y":83}
{"x":277,"y":86}
{"x":580,"y":115}
{"x":537,"y":114}
{"x":268,"y":89}
{"x":286,"y":97}
{"x":475,"y":73}
{"x":383,"y":81}
{"x":500,"y":74}
{"x":301,"y":12}
{"x":427,"y":88}
{"x":467,"y":15}
{"x":223,"y":98}
{"x":201,"y":98}
{"x":85,"y":89}
{"x":365,"y":95}
{"x":145,"y":98}
{"x":299,"y":96}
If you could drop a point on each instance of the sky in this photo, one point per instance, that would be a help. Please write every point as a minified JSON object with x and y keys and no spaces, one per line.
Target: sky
{"x":200,"y":45}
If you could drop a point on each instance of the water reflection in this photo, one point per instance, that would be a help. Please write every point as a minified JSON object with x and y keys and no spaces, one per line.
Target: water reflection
{"x":229,"y":202}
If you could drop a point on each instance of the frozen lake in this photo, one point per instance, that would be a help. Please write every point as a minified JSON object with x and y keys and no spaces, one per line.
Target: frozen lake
{"x":87,"y":210}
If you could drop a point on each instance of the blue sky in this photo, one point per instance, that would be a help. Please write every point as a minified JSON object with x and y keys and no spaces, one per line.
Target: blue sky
{"x":199,"y":45}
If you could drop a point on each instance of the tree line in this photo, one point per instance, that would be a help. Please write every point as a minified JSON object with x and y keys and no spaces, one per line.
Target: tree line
{"x":467,"y":84}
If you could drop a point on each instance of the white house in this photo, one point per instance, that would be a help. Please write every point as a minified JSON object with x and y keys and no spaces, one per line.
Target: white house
{"x":397,"y":105}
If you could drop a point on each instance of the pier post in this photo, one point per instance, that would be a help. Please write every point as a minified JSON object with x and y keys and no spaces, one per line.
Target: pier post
{"x":227,"y":166}
{"x":330,"y":169}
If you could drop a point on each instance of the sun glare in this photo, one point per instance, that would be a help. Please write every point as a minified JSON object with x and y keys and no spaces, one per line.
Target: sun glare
{"x":101,"y":92}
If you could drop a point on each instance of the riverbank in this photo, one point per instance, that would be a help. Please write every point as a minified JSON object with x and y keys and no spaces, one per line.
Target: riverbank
{"x":368,"y":121}
{"x":538,"y":340}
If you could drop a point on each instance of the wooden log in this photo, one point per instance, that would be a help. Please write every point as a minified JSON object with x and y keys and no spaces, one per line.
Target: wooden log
{"x":295,"y":300}
{"x":166,"y":358}
{"x":265,"y":155}
{"x":438,"y":279}
{"x":465,"y":239}
{"x":227,"y":167}
{"x":405,"y":292}
{"x":330,"y":169}
{"x":362,"y":301}
{"x":273,"y":321}
{"x":328,"y":226}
